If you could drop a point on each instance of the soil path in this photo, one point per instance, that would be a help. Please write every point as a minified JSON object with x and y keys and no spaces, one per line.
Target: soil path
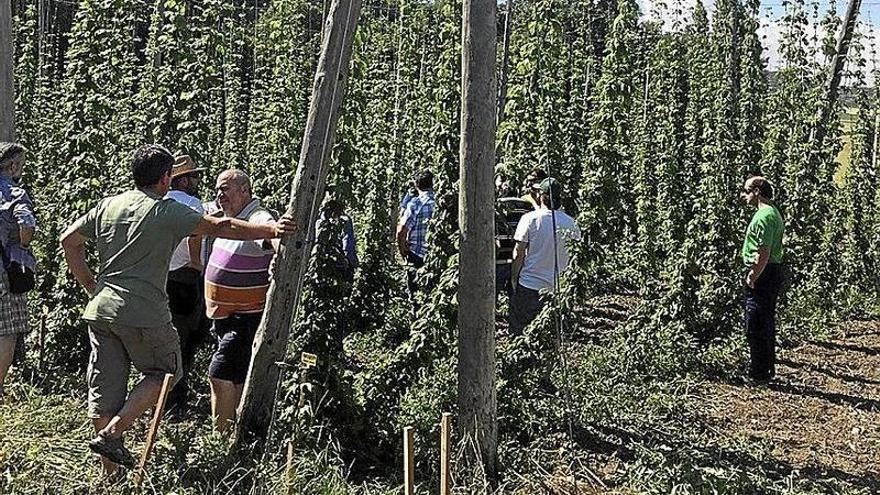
{"x":820,"y":418}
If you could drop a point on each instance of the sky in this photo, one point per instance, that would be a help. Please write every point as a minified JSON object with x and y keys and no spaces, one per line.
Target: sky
{"x":771,"y":12}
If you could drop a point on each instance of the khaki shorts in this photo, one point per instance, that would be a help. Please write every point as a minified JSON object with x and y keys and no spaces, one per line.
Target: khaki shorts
{"x":153,"y":351}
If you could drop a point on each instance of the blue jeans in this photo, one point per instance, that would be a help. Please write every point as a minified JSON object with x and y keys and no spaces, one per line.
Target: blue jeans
{"x":760,"y":322}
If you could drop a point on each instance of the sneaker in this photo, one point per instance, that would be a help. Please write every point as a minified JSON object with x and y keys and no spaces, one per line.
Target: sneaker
{"x":113,"y":449}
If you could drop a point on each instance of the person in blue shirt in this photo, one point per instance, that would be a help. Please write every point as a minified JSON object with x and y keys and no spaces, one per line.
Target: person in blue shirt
{"x":412,"y":231}
{"x":411,"y":192}
{"x":17,"y":225}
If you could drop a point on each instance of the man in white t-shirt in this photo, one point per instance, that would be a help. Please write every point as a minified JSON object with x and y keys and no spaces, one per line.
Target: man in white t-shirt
{"x":539,"y":257}
{"x":184,"y":284}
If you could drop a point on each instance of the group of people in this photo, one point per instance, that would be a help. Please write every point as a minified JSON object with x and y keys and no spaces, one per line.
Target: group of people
{"x":169,"y":262}
{"x":140,"y":313}
{"x":538,"y":259}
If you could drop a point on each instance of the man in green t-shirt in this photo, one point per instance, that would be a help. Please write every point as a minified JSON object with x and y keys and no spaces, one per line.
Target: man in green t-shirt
{"x":762,"y":255}
{"x":135,"y":234}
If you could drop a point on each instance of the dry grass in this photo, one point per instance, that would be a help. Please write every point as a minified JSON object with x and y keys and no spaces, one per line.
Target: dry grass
{"x":820,"y":418}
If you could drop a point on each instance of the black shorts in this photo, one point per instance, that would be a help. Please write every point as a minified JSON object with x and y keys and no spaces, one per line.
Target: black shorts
{"x":235,"y":337}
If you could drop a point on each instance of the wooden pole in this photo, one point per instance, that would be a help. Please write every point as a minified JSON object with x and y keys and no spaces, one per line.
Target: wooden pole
{"x":167,"y":383}
{"x":409,"y":462}
{"x":7,"y":86}
{"x":291,"y":261}
{"x":832,"y":83}
{"x":445,"y":431}
{"x":476,"y":204}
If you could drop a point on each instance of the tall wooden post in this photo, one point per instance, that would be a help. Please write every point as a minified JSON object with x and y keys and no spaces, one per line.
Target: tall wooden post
{"x":832,"y":83}
{"x":476,"y":217}
{"x":270,"y":344}
{"x":7,"y":87}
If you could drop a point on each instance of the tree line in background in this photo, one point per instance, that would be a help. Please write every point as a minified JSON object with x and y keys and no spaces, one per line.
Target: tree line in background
{"x":650,"y":126}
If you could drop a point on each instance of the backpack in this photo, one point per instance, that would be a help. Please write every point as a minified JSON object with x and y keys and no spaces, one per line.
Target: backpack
{"x":21,"y":278}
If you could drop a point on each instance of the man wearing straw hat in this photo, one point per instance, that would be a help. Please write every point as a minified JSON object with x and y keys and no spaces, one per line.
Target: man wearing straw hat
{"x":184,"y":285}
{"x":129,"y":321}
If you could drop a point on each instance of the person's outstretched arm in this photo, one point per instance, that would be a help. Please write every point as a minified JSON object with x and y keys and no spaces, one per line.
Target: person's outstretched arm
{"x":233,"y":228}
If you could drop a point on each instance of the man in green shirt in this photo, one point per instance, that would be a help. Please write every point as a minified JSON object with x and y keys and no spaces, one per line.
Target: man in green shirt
{"x":762,"y":254}
{"x":135,"y":234}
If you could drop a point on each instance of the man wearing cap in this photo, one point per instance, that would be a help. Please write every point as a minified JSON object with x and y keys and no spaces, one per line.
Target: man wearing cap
{"x":541,"y":253}
{"x":135,"y":234}
{"x":412,"y":230}
{"x":762,"y":255}
{"x":184,"y":285}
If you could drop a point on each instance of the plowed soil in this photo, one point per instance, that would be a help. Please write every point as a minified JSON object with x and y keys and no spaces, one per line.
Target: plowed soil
{"x":820,"y":418}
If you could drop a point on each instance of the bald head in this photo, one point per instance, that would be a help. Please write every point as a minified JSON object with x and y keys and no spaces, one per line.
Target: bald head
{"x":233,"y":191}
{"x":236,"y":177}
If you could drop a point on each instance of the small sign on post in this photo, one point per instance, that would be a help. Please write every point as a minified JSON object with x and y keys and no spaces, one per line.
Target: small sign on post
{"x":309,"y":360}
{"x":409,"y":462}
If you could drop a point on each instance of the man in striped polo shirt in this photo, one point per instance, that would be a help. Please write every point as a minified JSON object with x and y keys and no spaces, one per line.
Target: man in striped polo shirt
{"x":236,"y":282}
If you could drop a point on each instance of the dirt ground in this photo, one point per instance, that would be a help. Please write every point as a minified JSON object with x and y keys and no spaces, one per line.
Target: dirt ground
{"x":819,"y":419}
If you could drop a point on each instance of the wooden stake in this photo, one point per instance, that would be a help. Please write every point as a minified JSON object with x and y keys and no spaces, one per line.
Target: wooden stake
{"x":289,"y":459}
{"x":445,"y":430}
{"x":409,"y":462}
{"x":154,"y":428}
{"x":42,"y":339}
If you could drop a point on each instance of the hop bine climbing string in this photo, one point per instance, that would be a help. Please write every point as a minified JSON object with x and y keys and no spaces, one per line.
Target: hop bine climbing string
{"x":560,"y":334}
